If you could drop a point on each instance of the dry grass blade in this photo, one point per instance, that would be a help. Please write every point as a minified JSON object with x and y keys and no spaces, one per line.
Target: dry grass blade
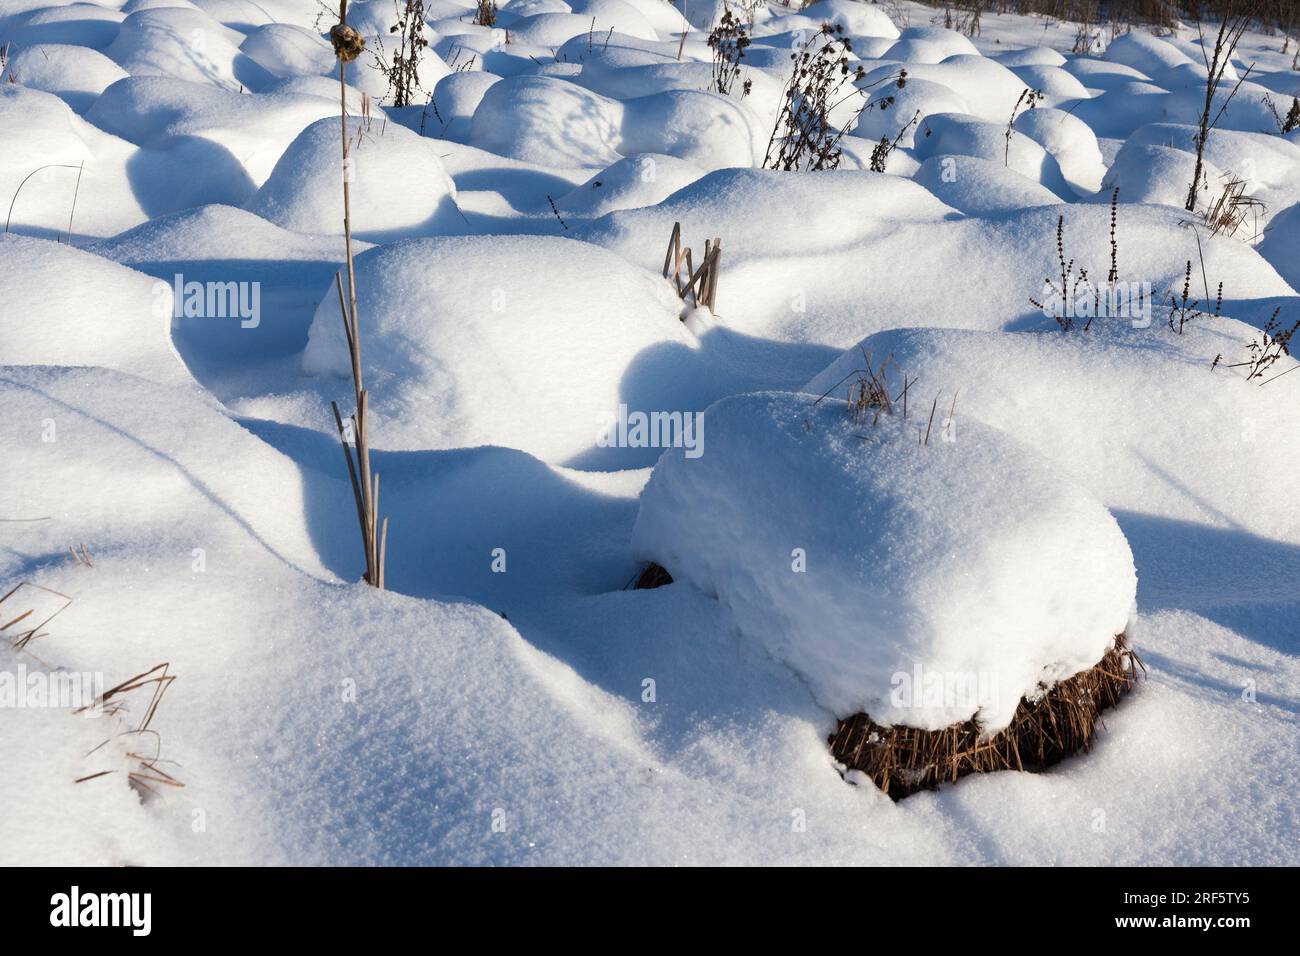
{"x":1061,"y":722}
{"x":17,"y":597}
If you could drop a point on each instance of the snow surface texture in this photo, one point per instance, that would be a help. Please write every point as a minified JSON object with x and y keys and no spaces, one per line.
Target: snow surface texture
{"x":508,"y":700}
{"x":842,"y":547}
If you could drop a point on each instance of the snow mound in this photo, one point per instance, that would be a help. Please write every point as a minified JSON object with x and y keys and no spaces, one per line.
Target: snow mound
{"x":919,"y":98}
{"x":186,"y":45}
{"x":221,"y":244}
{"x":981,"y":187}
{"x":987,"y":86}
{"x":75,"y":74}
{"x":1056,"y":84}
{"x":190,"y":476}
{"x":1158,"y":174}
{"x":555,"y":29}
{"x":1071,"y":143}
{"x":284,"y":50}
{"x":1031,"y":56}
{"x":61,"y":306}
{"x":857,"y":19}
{"x":254,"y":131}
{"x":754,"y":211}
{"x":398,"y":184}
{"x":840,"y":547}
{"x":962,"y":135}
{"x":1281,"y":240}
{"x":85,"y":24}
{"x":464,"y":348}
{"x":1145,"y":53}
{"x":548,"y":122}
{"x":929,"y":48}
{"x":1134,"y":415}
{"x":631,"y":183}
{"x":455,"y":98}
{"x":706,"y":129}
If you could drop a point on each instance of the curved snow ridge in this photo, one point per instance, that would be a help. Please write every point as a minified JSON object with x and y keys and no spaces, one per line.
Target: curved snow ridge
{"x":192,"y":477}
{"x":763,"y":212}
{"x":62,"y":306}
{"x":1133,"y":415}
{"x":865,"y":557}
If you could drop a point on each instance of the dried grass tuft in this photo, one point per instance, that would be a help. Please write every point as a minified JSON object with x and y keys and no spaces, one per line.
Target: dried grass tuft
{"x":1062,"y":722}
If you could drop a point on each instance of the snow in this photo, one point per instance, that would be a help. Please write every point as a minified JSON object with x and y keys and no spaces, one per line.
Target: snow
{"x":1158,"y":434}
{"x":838,"y":546}
{"x":92,"y":312}
{"x":468,"y":352}
{"x":397,"y":181}
{"x":510,"y":699}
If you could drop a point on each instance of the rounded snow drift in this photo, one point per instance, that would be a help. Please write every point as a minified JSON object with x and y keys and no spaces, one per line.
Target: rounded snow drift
{"x":876,"y":551}
{"x":524,"y":342}
{"x":398,"y":184}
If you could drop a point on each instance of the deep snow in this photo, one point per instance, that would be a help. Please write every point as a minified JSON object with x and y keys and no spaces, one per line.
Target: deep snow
{"x":509,"y":699}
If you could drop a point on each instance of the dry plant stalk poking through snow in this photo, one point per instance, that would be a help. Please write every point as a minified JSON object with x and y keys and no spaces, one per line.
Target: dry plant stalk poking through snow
{"x":403,"y":71}
{"x":701,"y":283}
{"x":348,"y":45}
{"x":1237,"y":17}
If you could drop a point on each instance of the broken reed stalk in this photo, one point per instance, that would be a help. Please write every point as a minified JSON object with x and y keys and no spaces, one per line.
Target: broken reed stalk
{"x":348,"y":45}
{"x":904,"y":760}
{"x":702,"y":283}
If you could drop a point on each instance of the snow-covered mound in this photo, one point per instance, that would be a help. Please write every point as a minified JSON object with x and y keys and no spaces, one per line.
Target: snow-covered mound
{"x":631,"y":183}
{"x":552,"y":122}
{"x":187,"y":45}
{"x":841,"y":547}
{"x":61,"y":306}
{"x":1070,"y":142}
{"x":1159,"y":174}
{"x":464,"y":348}
{"x":962,"y":135}
{"x":75,"y":74}
{"x":397,"y":182}
{"x":981,"y":187}
{"x":1132,"y":414}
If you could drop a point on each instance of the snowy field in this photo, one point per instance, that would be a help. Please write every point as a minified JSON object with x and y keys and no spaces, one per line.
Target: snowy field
{"x":1061,"y":470}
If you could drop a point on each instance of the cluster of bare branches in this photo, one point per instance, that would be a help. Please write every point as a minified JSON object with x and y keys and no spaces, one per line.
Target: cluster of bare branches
{"x":804,"y":138}
{"x":1274,"y":341}
{"x":143,"y":744}
{"x":402,"y":70}
{"x":1291,"y":121}
{"x":1237,"y":17}
{"x":728,"y":41}
{"x":1071,"y":286}
{"x":880,"y":154}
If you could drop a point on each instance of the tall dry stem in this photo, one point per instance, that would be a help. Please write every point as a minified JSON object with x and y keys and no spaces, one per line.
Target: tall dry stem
{"x":348,"y":45}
